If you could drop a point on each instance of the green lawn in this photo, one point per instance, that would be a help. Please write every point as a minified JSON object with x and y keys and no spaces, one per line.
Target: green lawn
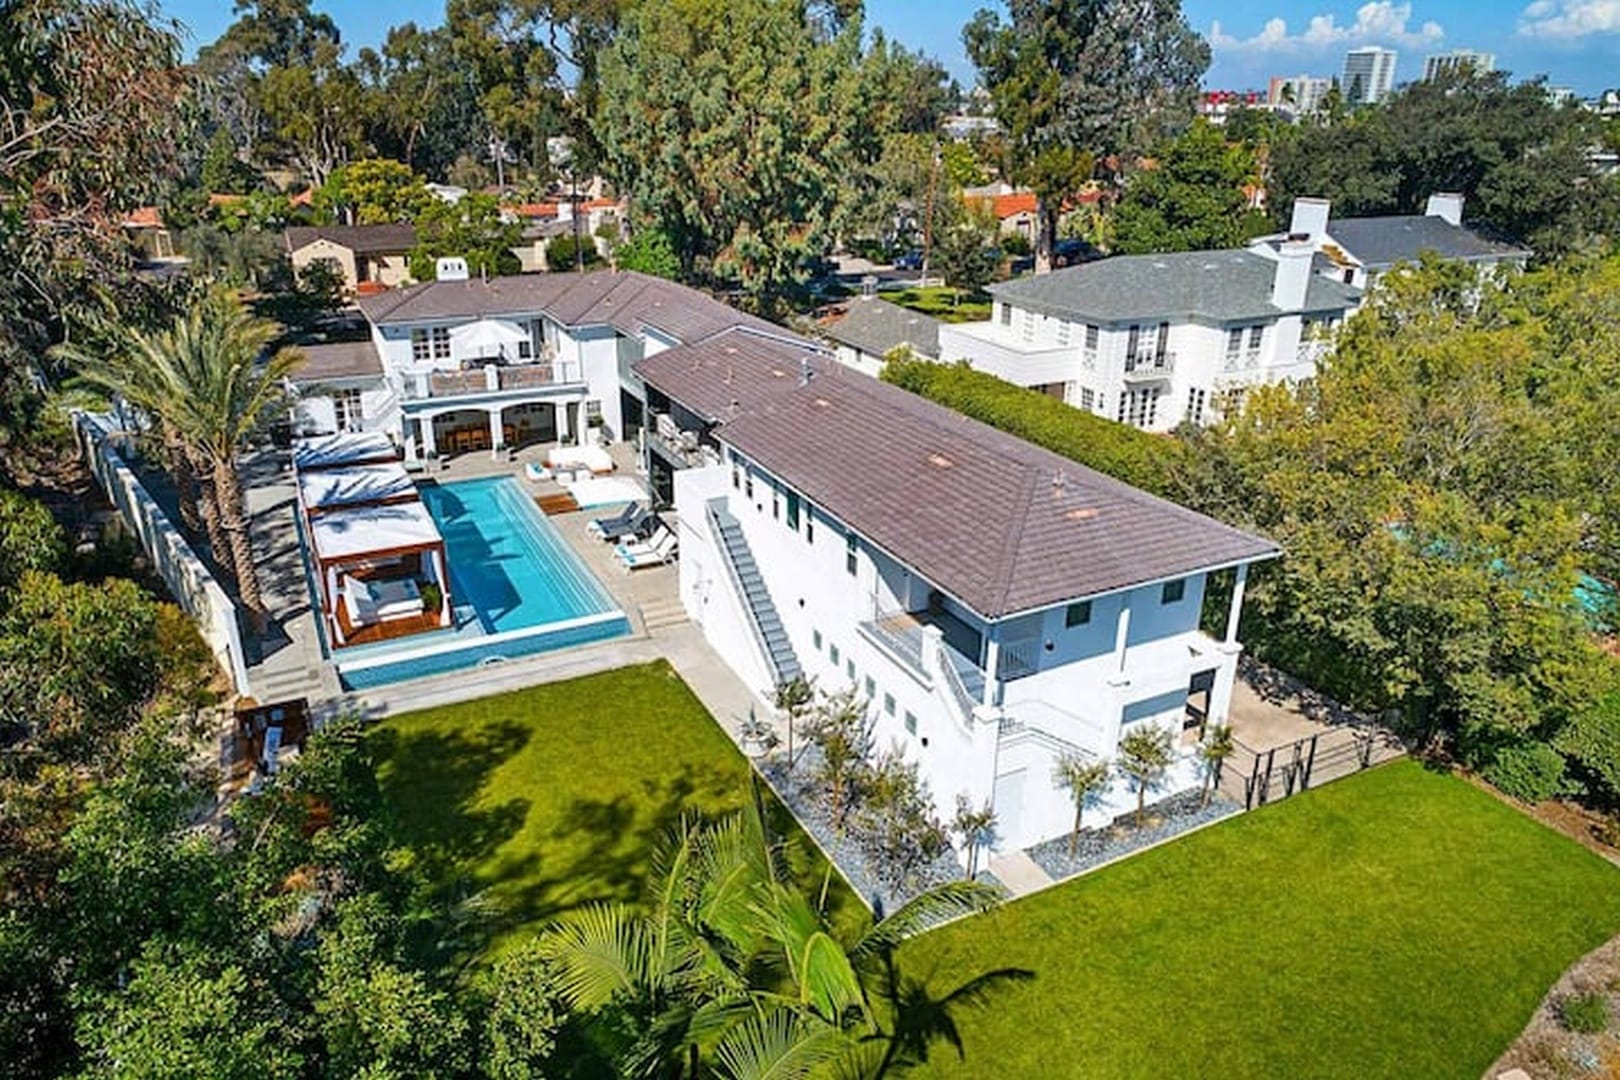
{"x":940,"y":302}
{"x":555,"y":796}
{"x":1396,"y":924}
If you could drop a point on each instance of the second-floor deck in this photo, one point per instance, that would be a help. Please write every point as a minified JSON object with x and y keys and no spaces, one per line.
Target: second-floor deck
{"x":488,"y":379}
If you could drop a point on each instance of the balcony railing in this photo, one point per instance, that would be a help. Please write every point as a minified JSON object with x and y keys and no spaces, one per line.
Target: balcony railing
{"x":1247,"y":360}
{"x":1146,"y":366}
{"x":1312,"y":352}
{"x":488,"y":379}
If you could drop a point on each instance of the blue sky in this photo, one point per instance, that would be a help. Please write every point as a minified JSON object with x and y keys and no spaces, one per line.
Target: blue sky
{"x":1574,"y":42}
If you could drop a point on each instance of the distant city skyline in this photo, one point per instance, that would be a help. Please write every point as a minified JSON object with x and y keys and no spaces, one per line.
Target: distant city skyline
{"x":1575,"y":43}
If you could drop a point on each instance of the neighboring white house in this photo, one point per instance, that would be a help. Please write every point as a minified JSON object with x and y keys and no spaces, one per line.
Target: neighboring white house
{"x":995,"y":605}
{"x":1157,"y":340}
{"x":869,"y":328}
{"x":457,"y":365}
{"x":1357,"y":250}
{"x":367,"y":257}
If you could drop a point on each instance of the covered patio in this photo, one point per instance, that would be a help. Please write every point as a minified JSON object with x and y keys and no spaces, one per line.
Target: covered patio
{"x":381,"y":572}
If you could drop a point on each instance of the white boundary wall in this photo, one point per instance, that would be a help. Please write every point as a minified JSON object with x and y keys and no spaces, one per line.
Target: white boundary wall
{"x":187,"y":576}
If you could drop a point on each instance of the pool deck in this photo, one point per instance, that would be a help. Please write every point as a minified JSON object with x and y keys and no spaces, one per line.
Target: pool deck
{"x":287,"y":663}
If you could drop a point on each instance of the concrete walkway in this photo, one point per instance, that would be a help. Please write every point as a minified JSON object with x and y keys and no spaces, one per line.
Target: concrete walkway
{"x":1019,"y":873}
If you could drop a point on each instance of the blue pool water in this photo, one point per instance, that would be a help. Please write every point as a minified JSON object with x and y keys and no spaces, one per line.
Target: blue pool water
{"x":509,"y":566}
{"x":516,"y":588}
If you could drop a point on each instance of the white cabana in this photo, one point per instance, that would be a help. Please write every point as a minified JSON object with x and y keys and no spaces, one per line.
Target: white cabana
{"x":373,"y":563}
{"x":325,"y":490}
{"x":344,"y":448}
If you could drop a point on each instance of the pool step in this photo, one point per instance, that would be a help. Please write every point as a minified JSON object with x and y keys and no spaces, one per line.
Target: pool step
{"x":661,"y":613}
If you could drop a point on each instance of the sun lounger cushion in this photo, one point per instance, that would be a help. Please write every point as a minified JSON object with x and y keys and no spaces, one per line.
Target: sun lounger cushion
{"x":370,"y":602}
{"x":592,"y":459}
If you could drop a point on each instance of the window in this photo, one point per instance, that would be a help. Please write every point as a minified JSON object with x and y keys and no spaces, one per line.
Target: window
{"x":1234,"y":342}
{"x":1077,"y":614}
{"x":420,"y":353}
{"x":832,"y":654}
{"x":748,"y":484}
{"x":911,"y":722}
{"x":888,"y":704}
{"x":793,"y":510}
{"x":849,"y":669}
{"x":1173,"y":591}
{"x":1256,"y":334}
{"x":1029,"y":327}
{"x":1133,"y":338}
{"x":1195,"y":405}
{"x":815,"y":637}
{"x":1063,"y":332}
{"x":849,"y":553}
{"x":1092,"y":333}
{"x":736,"y":475}
{"x":1088,"y":399}
{"x":1163,"y":346}
{"x":346,"y":409}
{"x":440,"y":338}
{"x":776,"y":503}
{"x":525,"y":350}
{"x":871,"y":688}
{"x":809,"y":524}
{"x":1139,"y":408}
{"x":1006,"y":315}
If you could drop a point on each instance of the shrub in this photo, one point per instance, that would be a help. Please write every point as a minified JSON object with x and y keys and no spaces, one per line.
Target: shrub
{"x":1015,"y":244}
{"x":1530,"y":771}
{"x":1136,"y":457}
{"x":1585,"y":1014}
{"x":1608,"y":831}
{"x":560,"y":253}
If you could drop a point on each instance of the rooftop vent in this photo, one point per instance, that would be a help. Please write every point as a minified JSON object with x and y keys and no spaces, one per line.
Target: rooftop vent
{"x":1083,"y":513}
{"x":451,"y":268}
{"x":804,"y":371}
{"x":940,"y":461}
{"x":822,"y":403}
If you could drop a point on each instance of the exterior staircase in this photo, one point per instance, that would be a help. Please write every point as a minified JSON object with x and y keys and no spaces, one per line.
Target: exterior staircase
{"x":756,"y":598}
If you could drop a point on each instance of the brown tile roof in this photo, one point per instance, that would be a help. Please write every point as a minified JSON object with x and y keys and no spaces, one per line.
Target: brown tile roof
{"x":1002,"y":525}
{"x":338,"y":360}
{"x":624,"y":299}
{"x":360,"y":239}
{"x":144,"y":217}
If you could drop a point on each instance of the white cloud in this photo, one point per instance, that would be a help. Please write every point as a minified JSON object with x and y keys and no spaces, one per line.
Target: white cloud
{"x":1570,"y":18}
{"x":1378,"y":21}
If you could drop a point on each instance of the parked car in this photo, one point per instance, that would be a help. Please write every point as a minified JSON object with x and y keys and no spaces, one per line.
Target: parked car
{"x":911,"y":260}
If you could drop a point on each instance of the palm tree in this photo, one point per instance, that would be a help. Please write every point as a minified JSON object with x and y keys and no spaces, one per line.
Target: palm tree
{"x":1085,"y":779}
{"x":976,"y":825}
{"x":207,"y":379}
{"x":1217,"y":745}
{"x":728,"y":965}
{"x":1145,"y":755}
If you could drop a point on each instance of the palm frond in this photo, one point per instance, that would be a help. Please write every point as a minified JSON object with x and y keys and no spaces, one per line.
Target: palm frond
{"x":600,"y":952}
{"x":937,"y":905}
{"x":780,"y":1045}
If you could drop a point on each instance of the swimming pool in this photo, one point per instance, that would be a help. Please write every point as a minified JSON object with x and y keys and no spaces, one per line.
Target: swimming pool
{"x":516,"y":589}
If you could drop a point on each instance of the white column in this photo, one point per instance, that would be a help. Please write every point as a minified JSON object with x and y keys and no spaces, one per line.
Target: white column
{"x":497,"y":433}
{"x":563,"y":426}
{"x":992,"y":661}
{"x":443,"y":580}
{"x":429,"y":445}
{"x":1233,"y":615}
{"x":1122,"y":630}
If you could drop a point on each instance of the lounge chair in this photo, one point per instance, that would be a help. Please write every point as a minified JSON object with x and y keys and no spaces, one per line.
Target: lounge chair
{"x":659,"y":552}
{"x":641,"y":547}
{"x":381,"y":601}
{"x":619,"y":525}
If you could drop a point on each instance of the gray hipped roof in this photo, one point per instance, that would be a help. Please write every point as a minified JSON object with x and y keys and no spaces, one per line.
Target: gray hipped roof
{"x":1381,"y":242}
{"x":1208,"y":286}
{"x":360,"y":239}
{"x":1002,"y":525}
{"x":875,"y":326}
{"x":624,"y":299}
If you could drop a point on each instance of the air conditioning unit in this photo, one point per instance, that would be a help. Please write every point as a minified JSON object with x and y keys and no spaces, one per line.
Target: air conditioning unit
{"x":451,"y":268}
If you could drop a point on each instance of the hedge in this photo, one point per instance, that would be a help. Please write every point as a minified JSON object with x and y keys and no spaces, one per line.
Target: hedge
{"x":1137,"y":457}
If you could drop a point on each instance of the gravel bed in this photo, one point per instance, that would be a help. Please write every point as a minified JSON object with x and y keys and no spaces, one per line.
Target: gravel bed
{"x":805,"y":799}
{"x":1165,"y":819}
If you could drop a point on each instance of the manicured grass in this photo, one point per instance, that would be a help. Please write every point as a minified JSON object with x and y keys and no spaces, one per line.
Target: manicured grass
{"x":1396,"y":924}
{"x":940,"y":302}
{"x":554,"y":797}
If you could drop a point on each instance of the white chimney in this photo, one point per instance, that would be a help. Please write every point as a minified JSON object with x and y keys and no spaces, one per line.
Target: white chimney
{"x":565,"y":210}
{"x":451,"y":268}
{"x":1310,"y":219}
{"x":1447,"y":206}
{"x":1292,"y":276}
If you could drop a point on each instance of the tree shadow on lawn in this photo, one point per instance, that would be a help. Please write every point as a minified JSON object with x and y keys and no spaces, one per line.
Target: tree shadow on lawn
{"x":433,"y":780}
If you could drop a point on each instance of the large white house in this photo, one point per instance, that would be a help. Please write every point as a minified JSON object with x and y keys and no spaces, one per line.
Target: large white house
{"x":996,"y":605}
{"x":1157,"y":340}
{"x":463,"y":364}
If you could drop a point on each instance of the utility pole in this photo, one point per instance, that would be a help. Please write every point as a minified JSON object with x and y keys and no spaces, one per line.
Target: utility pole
{"x":928,"y":216}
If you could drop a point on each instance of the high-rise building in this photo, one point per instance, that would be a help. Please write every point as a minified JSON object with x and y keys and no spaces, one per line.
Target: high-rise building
{"x":1456,"y":62}
{"x":1298,"y":94}
{"x":1369,"y":75}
